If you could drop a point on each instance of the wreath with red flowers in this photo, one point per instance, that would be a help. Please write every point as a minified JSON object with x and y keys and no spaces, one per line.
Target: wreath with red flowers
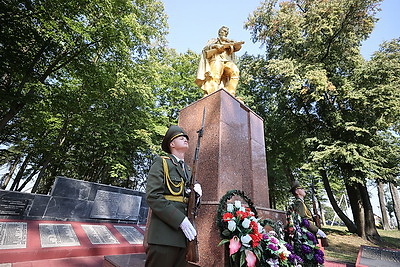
{"x":222,"y":207}
{"x":249,"y":243}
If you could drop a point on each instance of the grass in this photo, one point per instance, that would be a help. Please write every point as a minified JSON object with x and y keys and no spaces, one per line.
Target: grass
{"x":344,"y":246}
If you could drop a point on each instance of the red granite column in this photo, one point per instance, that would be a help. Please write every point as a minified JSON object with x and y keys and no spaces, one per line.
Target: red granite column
{"x":232,"y":156}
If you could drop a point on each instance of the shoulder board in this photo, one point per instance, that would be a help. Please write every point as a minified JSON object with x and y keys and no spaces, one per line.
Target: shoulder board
{"x":165,"y":157}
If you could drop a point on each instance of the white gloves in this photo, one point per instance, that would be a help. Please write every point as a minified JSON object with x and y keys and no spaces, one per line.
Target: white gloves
{"x":197,"y":189}
{"x":321,"y":233}
{"x":188,"y":229}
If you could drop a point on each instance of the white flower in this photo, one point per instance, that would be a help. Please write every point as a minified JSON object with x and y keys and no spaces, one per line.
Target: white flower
{"x":260,"y":229}
{"x":273,"y":233}
{"x":286,"y":252}
{"x":246,"y":223}
{"x":231,"y":225}
{"x":229,"y":207}
{"x":273,"y":262}
{"x":242,"y":209}
{"x":246,"y":240}
{"x":238,"y":204}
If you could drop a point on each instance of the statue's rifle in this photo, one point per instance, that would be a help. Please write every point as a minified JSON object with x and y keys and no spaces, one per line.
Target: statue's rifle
{"x":231,"y":47}
{"x":192,"y":249}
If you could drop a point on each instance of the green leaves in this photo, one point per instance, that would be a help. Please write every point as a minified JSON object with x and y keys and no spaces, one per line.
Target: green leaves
{"x":77,"y":86}
{"x":322,"y":105}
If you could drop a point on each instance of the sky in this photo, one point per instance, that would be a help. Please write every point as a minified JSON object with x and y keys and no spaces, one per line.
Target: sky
{"x":193,"y":23}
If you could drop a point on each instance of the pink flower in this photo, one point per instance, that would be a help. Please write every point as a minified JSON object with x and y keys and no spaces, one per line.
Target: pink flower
{"x":250,"y":258}
{"x":234,"y":245}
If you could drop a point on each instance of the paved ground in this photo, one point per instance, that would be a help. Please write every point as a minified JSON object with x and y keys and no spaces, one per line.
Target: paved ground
{"x":97,"y":261}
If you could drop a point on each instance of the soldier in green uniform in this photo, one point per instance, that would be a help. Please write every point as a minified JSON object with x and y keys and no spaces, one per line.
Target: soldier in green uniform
{"x":167,"y":193}
{"x":301,"y":208}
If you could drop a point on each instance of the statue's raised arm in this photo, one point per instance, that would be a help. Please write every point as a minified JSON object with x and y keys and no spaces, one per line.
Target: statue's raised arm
{"x":217,"y":68}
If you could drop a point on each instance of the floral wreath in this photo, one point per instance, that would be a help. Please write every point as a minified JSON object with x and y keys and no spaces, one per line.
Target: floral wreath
{"x":249,"y":243}
{"x":301,"y":241}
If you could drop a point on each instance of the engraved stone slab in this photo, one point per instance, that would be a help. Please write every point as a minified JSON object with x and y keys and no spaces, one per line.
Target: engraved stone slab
{"x":71,"y":188}
{"x":57,"y":235}
{"x":99,"y":234}
{"x":130,"y":233}
{"x":110,"y":205}
{"x":375,"y":256}
{"x":13,"y":235}
{"x":12,"y":206}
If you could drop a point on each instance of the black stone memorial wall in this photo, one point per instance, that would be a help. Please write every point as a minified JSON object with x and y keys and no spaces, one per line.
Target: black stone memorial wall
{"x":76,"y":200}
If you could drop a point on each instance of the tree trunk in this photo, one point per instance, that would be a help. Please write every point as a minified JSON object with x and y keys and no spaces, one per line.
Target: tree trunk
{"x":396,"y":203}
{"x":356,"y":207}
{"x":27,"y":180}
{"x":57,"y":144}
{"x":349,"y":224}
{"x":10,"y":114}
{"x":321,"y":211}
{"x":382,"y":204}
{"x":20,"y":173}
{"x":41,"y":173}
{"x":371,"y":233}
{"x":8,"y":175}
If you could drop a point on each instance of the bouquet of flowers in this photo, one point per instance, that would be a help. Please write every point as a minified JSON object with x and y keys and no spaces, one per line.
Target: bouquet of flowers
{"x":248,"y":242}
{"x":301,"y":241}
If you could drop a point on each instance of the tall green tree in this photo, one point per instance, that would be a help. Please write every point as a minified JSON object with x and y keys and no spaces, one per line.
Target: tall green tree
{"x":313,"y":59}
{"x":41,"y":39}
{"x":78,"y":81}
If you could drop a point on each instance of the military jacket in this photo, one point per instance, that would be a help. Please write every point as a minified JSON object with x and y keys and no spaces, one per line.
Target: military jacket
{"x":166,"y":215}
{"x":301,"y":208}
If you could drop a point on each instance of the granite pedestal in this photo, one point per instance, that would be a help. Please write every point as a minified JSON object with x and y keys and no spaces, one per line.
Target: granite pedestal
{"x":232,"y":156}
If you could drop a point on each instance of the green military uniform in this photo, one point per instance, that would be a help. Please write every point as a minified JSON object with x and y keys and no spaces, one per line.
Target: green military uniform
{"x":301,"y":208}
{"x":167,"y":199}
{"x":167,"y":214}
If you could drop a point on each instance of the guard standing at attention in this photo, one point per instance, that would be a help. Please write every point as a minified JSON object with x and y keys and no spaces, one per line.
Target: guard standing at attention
{"x":167,"y":194}
{"x":301,"y":208}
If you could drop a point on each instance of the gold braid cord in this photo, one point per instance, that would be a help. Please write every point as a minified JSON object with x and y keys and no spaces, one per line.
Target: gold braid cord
{"x":307,"y":211}
{"x":170,"y":183}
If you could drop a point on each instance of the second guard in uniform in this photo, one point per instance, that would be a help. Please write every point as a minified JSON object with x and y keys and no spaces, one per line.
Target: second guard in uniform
{"x":301,"y":208}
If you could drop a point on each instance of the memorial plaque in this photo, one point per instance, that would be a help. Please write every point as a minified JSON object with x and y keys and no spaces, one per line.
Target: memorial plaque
{"x":13,"y":206}
{"x":57,"y":235}
{"x":110,"y":205}
{"x":130,"y":233}
{"x":13,"y":235}
{"x":375,"y":256}
{"x":99,"y":234}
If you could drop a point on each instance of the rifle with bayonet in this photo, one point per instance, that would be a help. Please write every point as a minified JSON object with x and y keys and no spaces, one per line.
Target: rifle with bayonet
{"x":316,"y":216}
{"x":192,"y":254}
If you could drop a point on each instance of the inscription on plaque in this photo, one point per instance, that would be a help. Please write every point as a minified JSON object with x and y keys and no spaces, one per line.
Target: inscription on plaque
{"x":99,"y":234}
{"x":130,"y":233}
{"x":111,"y":205}
{"x":12,"y":206}
{"x":57,"y":235}
{"x":13,"y":235}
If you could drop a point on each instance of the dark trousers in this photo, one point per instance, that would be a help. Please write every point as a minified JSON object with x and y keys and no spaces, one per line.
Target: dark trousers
{"x":165,"y":256}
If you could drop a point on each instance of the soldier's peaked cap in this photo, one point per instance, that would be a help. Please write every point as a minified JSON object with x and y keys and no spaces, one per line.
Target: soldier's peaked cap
{"x":295,"y":185}
{"x":173,"y":132}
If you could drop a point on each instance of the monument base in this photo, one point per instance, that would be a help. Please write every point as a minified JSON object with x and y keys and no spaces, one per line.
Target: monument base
{"x":232,"y":157}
